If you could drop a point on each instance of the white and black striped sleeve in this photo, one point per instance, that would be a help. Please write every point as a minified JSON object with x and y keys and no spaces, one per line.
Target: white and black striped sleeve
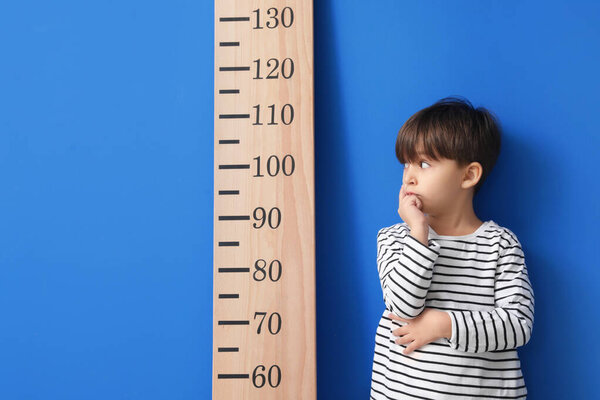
{"x":405,"y":268}
{"x":510,"y":324}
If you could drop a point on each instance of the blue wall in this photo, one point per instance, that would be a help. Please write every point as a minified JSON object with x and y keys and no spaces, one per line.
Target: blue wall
{"x":106,"y":164}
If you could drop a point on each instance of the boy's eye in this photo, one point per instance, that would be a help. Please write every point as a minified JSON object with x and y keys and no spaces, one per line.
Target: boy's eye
{"x":421,"y":163}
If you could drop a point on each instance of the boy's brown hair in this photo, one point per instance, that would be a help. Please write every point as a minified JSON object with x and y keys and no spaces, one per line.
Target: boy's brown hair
{"x":452,"y":128}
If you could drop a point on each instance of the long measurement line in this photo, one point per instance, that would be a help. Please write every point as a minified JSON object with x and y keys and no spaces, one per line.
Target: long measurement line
{"x":234,"y":166}
{"x":229,"y":69}
{"x":233,"y":19}
{"x":235,"y":322}
{"x":234,"y":217}
{"x":234,"y":376}
{"x":234,"y":269}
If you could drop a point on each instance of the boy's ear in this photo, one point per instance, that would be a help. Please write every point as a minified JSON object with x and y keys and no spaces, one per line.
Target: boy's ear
{"x":472,"y":175}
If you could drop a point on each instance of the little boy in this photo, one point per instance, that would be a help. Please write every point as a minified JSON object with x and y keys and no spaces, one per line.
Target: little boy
{"x":457,"y":294}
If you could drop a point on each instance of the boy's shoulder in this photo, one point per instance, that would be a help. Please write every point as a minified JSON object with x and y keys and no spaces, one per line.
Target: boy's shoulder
{"x":398,"y":227}
{"x":506,"y":234}
{"x":508,"y":240}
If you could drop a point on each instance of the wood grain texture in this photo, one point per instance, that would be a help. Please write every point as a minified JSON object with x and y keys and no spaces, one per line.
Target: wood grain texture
{"x":292,"y":242}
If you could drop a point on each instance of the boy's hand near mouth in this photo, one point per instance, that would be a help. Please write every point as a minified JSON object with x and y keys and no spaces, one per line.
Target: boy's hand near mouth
{"x":410,"y":210}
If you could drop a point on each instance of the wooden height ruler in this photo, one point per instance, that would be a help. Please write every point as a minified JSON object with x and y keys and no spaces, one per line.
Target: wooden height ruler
{"x":264,"y":339}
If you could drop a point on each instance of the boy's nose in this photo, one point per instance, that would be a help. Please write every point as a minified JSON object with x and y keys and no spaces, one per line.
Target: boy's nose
{"x":409,"y":178}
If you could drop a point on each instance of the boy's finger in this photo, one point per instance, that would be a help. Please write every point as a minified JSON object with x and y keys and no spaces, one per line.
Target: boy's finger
{"x":410,"y":348}
{"x":394,"y":316}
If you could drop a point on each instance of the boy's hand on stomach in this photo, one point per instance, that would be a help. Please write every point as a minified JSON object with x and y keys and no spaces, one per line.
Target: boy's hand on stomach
{"x":425,"y":328}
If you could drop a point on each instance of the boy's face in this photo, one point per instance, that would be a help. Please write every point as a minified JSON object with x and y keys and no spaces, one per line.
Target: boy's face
{"x":436,"y":183}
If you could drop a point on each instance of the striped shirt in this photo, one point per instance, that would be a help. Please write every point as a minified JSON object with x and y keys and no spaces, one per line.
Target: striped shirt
{"x":481,"y":281}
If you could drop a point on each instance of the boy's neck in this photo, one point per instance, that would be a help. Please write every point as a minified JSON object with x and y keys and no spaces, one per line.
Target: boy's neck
{"x":454,"y":224}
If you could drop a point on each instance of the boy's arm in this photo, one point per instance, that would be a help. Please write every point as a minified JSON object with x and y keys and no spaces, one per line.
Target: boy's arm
{"x":405,"y":268}
{"x":510,"y":324}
